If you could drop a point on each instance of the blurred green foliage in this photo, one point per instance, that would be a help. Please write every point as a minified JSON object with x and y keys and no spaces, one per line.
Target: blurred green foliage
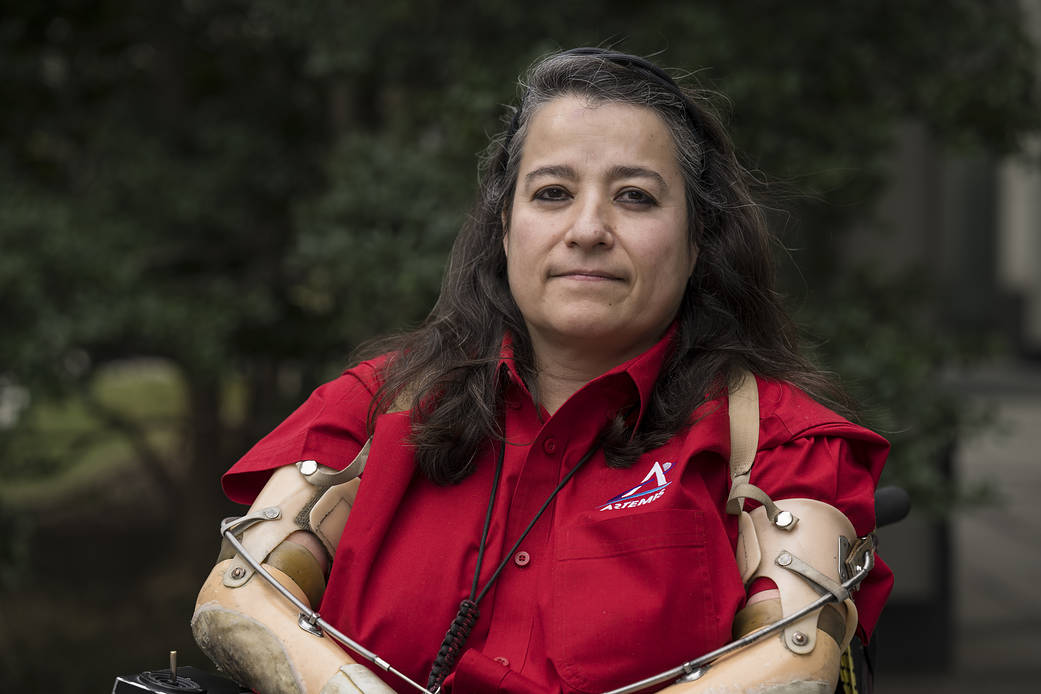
{"x":246,"y":190}
{"x":249,"y":189}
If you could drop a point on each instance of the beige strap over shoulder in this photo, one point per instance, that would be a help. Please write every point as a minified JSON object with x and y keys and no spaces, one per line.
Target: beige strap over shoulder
{"x":744,"y":442}
{"x":744,"y":427}
{"x":803,"y":564}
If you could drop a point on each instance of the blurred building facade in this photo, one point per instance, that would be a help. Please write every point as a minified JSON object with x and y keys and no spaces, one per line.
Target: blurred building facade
{"x":973,"y":223}
{"x":965,"y":614}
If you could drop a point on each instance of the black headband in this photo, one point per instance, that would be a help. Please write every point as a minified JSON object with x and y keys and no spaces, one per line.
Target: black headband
{"x":633,"y":62}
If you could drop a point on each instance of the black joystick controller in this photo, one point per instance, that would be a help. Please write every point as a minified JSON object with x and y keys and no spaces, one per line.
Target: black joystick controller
{"x":176,"y":680}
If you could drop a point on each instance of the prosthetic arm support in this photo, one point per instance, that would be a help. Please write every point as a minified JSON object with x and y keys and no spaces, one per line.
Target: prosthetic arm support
{"x":279,"y":645}
{"x":806,"y":547}
{"x":790,"y":643}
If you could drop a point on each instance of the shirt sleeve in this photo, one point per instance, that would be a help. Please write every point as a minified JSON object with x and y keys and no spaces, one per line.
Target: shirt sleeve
{"x":329,"y":427}
{"x":841,"y":470}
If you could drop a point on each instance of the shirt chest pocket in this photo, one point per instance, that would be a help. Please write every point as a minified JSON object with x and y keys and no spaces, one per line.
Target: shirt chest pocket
{"x":631,"y":596}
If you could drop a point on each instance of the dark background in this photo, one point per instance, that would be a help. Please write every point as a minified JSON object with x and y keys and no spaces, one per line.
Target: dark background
{"x":206,"y":204}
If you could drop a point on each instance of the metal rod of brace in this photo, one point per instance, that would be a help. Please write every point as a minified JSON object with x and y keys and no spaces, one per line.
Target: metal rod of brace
{"x":690,"y":666}
{"x":312,"y":617}
{"x":686,"y":668}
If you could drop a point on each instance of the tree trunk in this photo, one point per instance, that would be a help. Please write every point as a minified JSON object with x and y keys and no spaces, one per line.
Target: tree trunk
{"x":202,"y":503}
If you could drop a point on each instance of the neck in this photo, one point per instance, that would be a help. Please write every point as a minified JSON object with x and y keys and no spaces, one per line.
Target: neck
{"x":560,"y":373}
{"x":555,"y":387}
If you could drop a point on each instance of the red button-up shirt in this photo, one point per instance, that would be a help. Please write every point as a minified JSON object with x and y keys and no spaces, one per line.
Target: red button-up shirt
{"x":627,"y":573}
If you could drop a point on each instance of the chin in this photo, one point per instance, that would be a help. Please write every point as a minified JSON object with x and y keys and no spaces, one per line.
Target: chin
{"x":586,"y":324}
{"x":601,"y":333}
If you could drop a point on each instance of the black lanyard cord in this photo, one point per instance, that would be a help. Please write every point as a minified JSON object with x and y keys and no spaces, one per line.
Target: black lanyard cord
{"x":468,"y":613}
{"x":487,"y":524}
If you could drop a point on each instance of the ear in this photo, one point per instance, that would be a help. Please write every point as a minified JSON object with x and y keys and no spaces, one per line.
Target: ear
{"x":693,"y":260}
{"x":505,"y":233}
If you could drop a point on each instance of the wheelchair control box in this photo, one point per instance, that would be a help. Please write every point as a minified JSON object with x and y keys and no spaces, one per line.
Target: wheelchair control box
{"x":176,"y":680}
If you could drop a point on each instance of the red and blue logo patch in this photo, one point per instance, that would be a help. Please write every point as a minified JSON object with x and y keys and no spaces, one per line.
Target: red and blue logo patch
{"x":649,"y":490}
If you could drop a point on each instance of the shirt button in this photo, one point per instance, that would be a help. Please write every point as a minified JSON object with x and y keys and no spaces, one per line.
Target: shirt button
{"x":502,"y":661}
{"x":522,"y":558}
{"x":549,"y":446}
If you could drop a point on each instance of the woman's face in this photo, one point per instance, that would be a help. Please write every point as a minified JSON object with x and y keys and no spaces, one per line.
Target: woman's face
{"x":597,"y":250}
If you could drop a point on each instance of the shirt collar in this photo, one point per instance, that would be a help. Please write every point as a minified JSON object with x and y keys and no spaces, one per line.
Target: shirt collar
{"x":508,"y":361}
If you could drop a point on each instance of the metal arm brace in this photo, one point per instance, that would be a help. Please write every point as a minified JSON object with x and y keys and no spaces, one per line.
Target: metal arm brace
{"x":691,"y":670}
{"x":309,"y":620}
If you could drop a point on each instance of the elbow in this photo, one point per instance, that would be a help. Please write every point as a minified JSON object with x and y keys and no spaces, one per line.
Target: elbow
{"x":243,"y":631}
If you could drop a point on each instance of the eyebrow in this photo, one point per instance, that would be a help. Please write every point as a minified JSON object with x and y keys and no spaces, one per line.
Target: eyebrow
{"x":615,"y":173}
{"x":555,"y":171}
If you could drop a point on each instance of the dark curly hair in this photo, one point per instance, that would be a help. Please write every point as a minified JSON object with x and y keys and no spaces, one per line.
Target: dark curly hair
{"x":730,"y":318}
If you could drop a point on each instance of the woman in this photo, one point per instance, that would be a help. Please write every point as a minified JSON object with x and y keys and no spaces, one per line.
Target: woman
{"x":548,"y":467}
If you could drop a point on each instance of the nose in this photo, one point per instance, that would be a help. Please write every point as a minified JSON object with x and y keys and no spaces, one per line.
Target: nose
{"x":591,"y":226}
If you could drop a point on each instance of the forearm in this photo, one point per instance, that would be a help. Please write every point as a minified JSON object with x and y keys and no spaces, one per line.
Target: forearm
{"x":768,"y":667}
{"x":247,"y":626}
{"x":252,"y":633}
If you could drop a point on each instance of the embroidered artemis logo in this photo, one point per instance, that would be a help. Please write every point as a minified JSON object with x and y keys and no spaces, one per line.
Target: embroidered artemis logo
{"x":650,"y":489}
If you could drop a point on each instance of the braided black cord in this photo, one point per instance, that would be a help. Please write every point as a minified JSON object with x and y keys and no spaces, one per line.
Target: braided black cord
{"x":452,"y":646}
{"x":460,"y":628}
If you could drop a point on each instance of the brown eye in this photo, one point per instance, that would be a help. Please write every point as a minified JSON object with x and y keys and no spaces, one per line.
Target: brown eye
{"x":552,"y":194}
{"x":635,"y":196}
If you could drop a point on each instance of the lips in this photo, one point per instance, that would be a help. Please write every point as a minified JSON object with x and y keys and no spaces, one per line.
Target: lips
{"x":584,"y":274}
